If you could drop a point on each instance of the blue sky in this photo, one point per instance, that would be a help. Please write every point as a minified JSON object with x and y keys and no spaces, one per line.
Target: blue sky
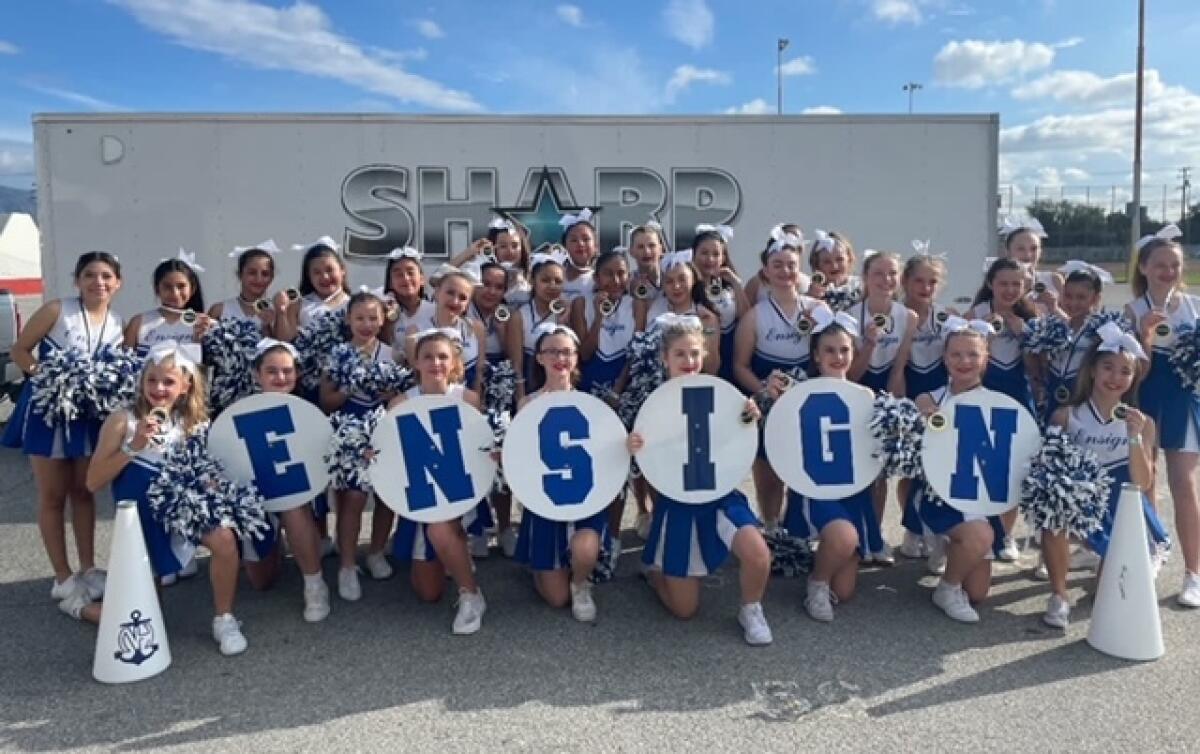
{"x":1059,"y":72}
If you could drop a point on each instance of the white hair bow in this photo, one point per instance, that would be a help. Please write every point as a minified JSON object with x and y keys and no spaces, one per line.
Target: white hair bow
{"x":1012,"y":224}
{"x":543,"y":257}
{"x":680,"y":321}
{"x":921,"y":247}
{"x":445,"y":269}
{"x":1078,"y":265}
{"x":778,"y":231}
{"x":822,"y":241}
{"x":266,"y":344}
{"x":502,"y":224}
{"x":868,"y":253}
{"x":955,"y":324}
{"x":553,"y":328}
{"x":267,"y":246}
{"x":1169,"y":233}
{"x":405,"y":252}
{"x":186,"y":355}
{"x":823,"y":318}
{"x":1115,"y":340}
{"x":676,"y":258}
{"x":322,"y":241}
{"x":724,"y":231}
{"x":988,"y":262}
{"x":474,"y":271}
{"x":569,"y":221}
{"x":781,"y":239}
{"x":448,"y":332}
{"x":188,"y":259}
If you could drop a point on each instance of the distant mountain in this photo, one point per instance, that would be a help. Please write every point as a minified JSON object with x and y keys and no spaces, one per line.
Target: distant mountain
{"x":17,"y":200}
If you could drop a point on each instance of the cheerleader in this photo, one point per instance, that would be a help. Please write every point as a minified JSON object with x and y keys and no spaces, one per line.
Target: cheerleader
{"x":129,"y":455}
{"x":506,"y":246}
{"x":831,"y":258}
{"x":647,"y":244}
{"x":1022,"y":239}
{"x":887,"y":328}
{"x":773,"y":337}
{"x":1082,"y":290}
{"x":323,"y":287}
{"x":255,"y":273}
{"x":1159,"y":311}
{"x":759,"y":285}
{"x":1001,"y":303}
{"x":683,"y":293}
{"x":435,"y":550}
{"x":603,"y":320}
{"x":967,"y":573}
{"x":688,"y":542}
{"x":180,"y":313}
{"x":404,"y":284}
{"x":545,"y":305}
{"x":365,"y":316}
{"x":1123,"y":445}
{"x":59,"y":454}
{"x":276,"y":370}
{"x":561,"y":554}
{"x":579,"y":240}
{"x":842,"y":526}
{"x":722,"y":287}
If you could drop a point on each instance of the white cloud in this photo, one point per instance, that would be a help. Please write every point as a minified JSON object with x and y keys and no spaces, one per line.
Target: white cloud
{"x":974,"y":63}
{"x":571,"y":15}
{"x":686,"y":75}
{"x":297,"y":38}
{"x":896,"y":11}
{"x":601,"y":79}
{"x":16,"y":158}
{"x":1086,"y":88}
{"x":91,"y":103}
{"x":690,"y":22}
{"x":8,"y":48}
{"x":429,"y":29}
{"x":756,"y":106}
{"x":821,"y":110}
{"x":1068,"y":42}
{"x":801,"y":66}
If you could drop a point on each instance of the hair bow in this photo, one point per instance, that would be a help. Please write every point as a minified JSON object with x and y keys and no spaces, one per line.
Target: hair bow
{"x":868,"y":253}
{"x":676,"y":258}
{"x":322,"y":241}
{"x":546,"y":329}
{"x":679,"y":321}
{"x":724,"y":231}
{"x":569,"y":221}
{"x":779,"y":231}
{"x":1013,"y":224}
{"x":267,"y":246}
{"x":545,"y":257}
{"x":653,"y":224}
{"x":448,"y":332}
{"x":987,"y":263}
{"x":503,"y":224}
{"x":921,"y":247}
{"x":954,"y":324}
{"x":1078,"y":265}
{"x":186,"y":355}
{"x":1115,"y":340}
{"x":1169,"y":233}
{"x":822,"y":241}
{"x":446,"y":269}
{"x":405,"y":252}
{"x":266,"y":344}
{"x":473,"y":270}
{"x":823,"y":318}
{"x":188,"y":259}
{"x":781,"y":239}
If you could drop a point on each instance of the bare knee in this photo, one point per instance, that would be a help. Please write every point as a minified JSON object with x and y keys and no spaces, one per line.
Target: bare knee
{"x":222,"y":543}
{"x":428,"y":581}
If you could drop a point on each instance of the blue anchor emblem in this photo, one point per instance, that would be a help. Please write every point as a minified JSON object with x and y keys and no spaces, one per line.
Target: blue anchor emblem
{"x":135,"y":640}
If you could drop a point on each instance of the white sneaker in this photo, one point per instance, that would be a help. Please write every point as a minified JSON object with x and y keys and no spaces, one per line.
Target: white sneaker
{"x":227,"y":632}
{"x":954,"y":602}
{"x":755,"y":630}
{"x":74,"y":603}
{"x":471,"y":607}
{"x":1058,"y":612}
{"x":1009,"y":552}
{"x":642,"y":526}
{"x":189,"y":569}
{"x":912,"y":546}
{"x":883,"y":556}
{"x":478,"y":545}
{"x":378,"y":566}
{"x":326,"y":547}
{"x":61,"y":590}
{"x":316,"y":602}
{"x":1189,"y":595}
{"x":94,"y":579}
{"x":508,"y":542}
{"x":936,"y":562}
{"x":583,"y":607}
{"x":819,"y":601}
{"x":348,"y":587}
{"x":1041,"y":573}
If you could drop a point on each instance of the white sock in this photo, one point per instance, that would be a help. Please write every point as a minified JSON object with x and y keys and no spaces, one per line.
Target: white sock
{"x":313,"y":580}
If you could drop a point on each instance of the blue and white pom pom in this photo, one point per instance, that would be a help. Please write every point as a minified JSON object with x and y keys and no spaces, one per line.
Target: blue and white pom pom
{"x":791,"y":557}
{"x":499,"y":397}
{"x":347,"y":369}
{"x":1185,"y":358}
{"x":1066,"y":489}
{"x":192,"y":496}
{"x":646,"y":373}
{"x":112,"y":381}
{"x":1101,"y":318}
{"x":765,"y":401}
{"x":229,"y":347}
{"x":350,"y":452}
{"x":897,"y":426}
{"x":58,"y":385}
{"x":841,"y":299}
{"x":1046,"y":335}
{"x":315,"y":342}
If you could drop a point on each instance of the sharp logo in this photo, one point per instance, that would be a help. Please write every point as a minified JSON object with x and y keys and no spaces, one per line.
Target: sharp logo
{"x":386,"y":209}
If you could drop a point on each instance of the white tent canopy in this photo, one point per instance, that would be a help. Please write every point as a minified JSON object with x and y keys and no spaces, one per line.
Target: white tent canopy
{"x":20,"y":248}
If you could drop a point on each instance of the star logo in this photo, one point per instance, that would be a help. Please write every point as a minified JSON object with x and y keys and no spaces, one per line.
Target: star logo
{"x":541,"y":217}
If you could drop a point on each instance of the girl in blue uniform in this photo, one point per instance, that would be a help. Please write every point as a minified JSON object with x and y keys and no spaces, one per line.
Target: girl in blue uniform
{"x":365,"y":316}
{"x":1124,"y":446}
{"x":967,"y":575}
{"x":647,"y":244}
{"x":604,"y":323}
{"x":831,"y":258}
{"x":1001,"y":302}
{"x":579,"y":239}
{"x":773,"y":337}
{"x":688,"y":542}
{"x":505,"y":246}
{"x":1022,"y":239}
{"x":561,"y":554}
{"x":547,"y":304}
{"x":842,"y":526}
{"x":404,"y":283}
{"x":129,"y":455}
{"x":722,"y":287}
{"x":255,"y":273}
{"x":435,"y":550}
{"x":1082,"y":289}
{"x":323,"y":289}
{"x":179,"y":300}
{"x":58,"y":453}
{"x":1160,"y":301}
{"x":683,"y":293}
{"x":758,"y":287}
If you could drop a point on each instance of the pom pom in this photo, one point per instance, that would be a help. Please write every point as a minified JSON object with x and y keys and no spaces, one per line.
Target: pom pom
{"x":350,"y":452}
{"x":228,"y":348}
{"x":646,"y":373}
{"x":897,"y":426}
{"x":192,"y":496}
{"x":1185,"y":358}
{"x":499,"y":396}
{"x":1046,"y":335}
{"x":765,"y":401}
{"x":1104,"y":316}
{"x":315,"y":342}
{"x":112,"y":381}
{"x":842,"y":298}
{"x":791,"y":557}
{"x":1066,"y":489}
{"x":353,"y":374}
{"x":57,"y":385}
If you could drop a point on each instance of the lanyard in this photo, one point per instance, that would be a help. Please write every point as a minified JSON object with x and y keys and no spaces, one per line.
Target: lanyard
{"x":87,"y":328}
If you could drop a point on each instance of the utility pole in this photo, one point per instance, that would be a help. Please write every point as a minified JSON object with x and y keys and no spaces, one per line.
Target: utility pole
{"x":1185,"y":185}
{"x":911,"y":87}
{"x":1135,"y":230}
{"x":782,"y":45}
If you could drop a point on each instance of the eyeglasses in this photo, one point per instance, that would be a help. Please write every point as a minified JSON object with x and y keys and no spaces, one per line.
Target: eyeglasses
{"x":558,"y":353}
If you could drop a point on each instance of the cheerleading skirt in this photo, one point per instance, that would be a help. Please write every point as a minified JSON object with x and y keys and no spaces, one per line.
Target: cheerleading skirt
{"x":806,"y":518}
{"x":694,"y":540}
{"x":1155,"y":530}
{"x":545,"y":545}
{"x":30,"y":431}
{"x":1174,"y":409}
{"x":168,"y":551}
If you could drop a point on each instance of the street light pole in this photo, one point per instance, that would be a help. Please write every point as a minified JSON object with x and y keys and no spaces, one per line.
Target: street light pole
{"x":1135,"y":230}
{"x":911,"y":87}
{"x":782,"y":45}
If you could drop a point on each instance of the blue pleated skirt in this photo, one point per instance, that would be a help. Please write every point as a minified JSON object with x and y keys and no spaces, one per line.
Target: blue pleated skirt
{"x":168,"y":552}
{"x":1174,"y":408}
{"x":545,"y":545}
{"x":694,"y":540}
{"x":806,"y":517}
{"x":30,"y":431}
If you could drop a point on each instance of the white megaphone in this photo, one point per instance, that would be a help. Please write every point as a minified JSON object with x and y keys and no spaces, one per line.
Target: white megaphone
{"x":132,"y":642}
{"x":1125,"y":619}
